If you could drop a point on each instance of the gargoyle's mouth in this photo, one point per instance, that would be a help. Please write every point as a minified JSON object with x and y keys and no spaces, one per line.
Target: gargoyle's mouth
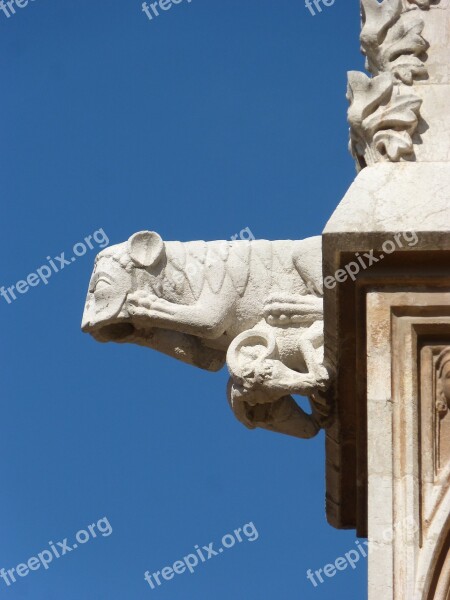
{"x":115,"y":332}
{"x":185,"y":347}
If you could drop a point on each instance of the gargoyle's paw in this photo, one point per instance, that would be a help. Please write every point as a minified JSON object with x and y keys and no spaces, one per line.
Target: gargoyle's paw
{"x":141,"y":298}
{"x":322,"y":378}
{"x":144,"y":303}
{"x":283,"y":377}
{"x":134,"y":305}
{"x":138,"y":311}
{"x":151,"y":302}
{"x":138,"y":294}
{"x":307,"y":382}
{"x":278,"y":320}
{"x":163,"y":306}
{"x":159,"y":317}
{"x":322,"y":373}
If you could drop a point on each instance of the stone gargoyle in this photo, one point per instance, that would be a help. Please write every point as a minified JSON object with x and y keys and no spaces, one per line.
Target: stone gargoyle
{"x":255,"y":304}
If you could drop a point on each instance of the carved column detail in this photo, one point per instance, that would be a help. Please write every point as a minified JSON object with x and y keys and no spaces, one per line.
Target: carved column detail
{"x":385,"y":115}
{"x":408,"y":444}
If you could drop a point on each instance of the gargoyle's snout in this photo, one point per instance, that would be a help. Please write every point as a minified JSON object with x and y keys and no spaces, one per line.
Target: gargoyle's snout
{"x":111,"y":282}
{"x":104,"y":330}
{"x":115,"y":332}
{"x":86,"y":320}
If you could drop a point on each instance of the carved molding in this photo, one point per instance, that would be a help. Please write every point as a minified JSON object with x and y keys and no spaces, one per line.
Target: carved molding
{"x":383,"y":113}
{"x":408,"y":370}
{"x":443,"y":382}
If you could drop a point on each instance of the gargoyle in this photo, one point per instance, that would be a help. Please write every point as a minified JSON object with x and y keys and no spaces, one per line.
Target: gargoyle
{"x":255,"y":304}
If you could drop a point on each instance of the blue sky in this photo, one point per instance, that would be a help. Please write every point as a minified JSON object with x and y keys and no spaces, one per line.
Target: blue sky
{"x":215,"y":116}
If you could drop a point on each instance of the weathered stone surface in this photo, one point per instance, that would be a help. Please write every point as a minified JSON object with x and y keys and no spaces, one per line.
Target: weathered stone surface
{"x":387,"y":199}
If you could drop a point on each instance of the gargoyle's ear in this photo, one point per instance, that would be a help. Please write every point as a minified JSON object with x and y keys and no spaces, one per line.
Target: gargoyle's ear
{"x":145,"y":248}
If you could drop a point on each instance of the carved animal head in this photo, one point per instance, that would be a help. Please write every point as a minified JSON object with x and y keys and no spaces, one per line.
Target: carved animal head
{"x":134,"y":266}
{"x":116,"y":274}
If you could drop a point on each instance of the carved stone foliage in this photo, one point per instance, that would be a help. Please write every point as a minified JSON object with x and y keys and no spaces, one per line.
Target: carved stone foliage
{"x":383,"y":118}
{"x":392,"y":39}
{"x":383,"y":115}
{"x":255,"y":305}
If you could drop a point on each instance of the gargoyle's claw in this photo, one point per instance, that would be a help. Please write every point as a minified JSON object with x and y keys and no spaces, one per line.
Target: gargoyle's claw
{"x":150,"y":305}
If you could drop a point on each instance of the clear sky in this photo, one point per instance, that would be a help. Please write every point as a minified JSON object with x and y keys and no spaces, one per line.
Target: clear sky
{"x":215,"y":116}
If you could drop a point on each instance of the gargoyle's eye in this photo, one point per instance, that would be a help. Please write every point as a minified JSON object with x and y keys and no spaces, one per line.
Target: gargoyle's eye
{"x":101,"y":284}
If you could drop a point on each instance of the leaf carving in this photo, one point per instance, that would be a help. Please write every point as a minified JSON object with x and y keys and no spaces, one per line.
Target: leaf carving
{"x":377,"y":17}
{"x":407,"y":68}
{"x":393,"y":144}
{"x":401,"y":113}
{"x":404,"y":37}
{"x":388,"y":34}
{"x":382,"y":118}
{"x":365,"y":94}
